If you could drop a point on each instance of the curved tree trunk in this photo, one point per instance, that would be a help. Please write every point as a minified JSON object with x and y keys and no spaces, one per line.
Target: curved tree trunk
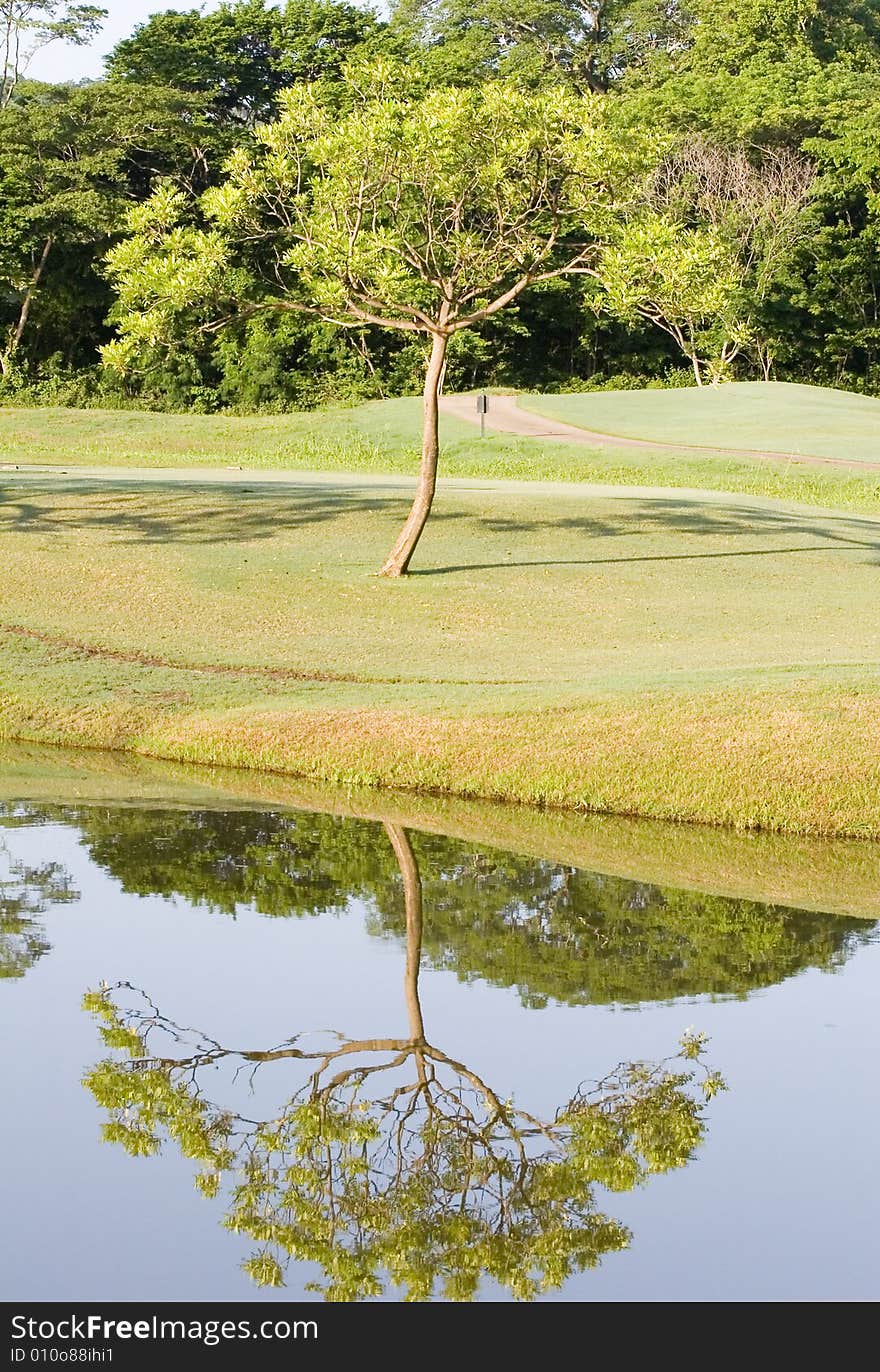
{"x":398,"y":559}
{"x":412,"y":896}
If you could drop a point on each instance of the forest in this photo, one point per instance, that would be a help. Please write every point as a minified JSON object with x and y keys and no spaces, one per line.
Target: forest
{"x":752,"y":241}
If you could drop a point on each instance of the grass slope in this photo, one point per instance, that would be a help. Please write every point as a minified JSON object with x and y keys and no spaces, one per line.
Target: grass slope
{"x":768,"y":416}
{"x":383,"y":436}
{"x":662,"y":654}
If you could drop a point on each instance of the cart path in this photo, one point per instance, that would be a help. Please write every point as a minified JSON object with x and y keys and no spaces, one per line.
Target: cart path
{"x":506,"y":416}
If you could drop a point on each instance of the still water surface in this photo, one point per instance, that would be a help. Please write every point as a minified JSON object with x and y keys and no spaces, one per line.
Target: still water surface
{"x":262,"y":1054}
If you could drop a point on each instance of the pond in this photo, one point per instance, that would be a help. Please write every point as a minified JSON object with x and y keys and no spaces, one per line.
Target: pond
{"x":259,"y":1049}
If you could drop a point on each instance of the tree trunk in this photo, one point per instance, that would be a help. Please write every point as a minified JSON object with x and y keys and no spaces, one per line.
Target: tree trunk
{"x":412,"y":896}
{"x":24,"y":312}
{"x":695,"y":363}
{"x":398,"y":559}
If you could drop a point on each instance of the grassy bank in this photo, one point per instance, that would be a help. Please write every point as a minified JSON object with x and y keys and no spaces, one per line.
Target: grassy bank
{"x":657,"y":653}
{"x":773,"y":417}
{"x":835,"y":876}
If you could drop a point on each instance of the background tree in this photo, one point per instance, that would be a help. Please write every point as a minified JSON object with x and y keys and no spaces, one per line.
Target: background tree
{"x":758,"y":203}
{"x":793,"y":76}
{"x":26,"y":891}
{"x":684,"y":280}
{"x":420,"y":215}
{"x":393,"y":1158}
{"x":26,"y":26}
{"x":239,"y":57}
{"x":72,"y":159}
{"x":835,"y":305}
{"x":719,"y":228}
{"x":587,"y":44}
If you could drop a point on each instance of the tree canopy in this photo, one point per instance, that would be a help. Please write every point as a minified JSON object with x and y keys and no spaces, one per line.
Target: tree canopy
{"x":751,"y":82}
{"x":238,"y":58}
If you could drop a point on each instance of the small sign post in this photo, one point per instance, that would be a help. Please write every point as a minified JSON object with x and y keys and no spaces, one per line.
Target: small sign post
{"x":482,"y":409}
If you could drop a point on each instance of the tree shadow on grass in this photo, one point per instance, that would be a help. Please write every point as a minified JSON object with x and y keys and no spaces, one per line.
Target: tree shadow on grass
{"x":613,"y":561}
{"x":205,"y":515}
{"x":188,"y":517}
{"x":835,"y":533}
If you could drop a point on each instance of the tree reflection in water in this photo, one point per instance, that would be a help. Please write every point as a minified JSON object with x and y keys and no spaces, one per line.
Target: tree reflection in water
{"x":393,"y":1162}
{"x":26,"y":891}
{"x":553,"y":931}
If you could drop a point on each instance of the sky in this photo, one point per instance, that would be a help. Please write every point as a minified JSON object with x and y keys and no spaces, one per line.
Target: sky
{"x":65,"y":62}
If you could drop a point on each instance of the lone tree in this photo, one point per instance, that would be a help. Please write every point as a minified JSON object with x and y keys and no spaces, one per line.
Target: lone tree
{"x":393,"y":1161}
{"x":368,"y":206}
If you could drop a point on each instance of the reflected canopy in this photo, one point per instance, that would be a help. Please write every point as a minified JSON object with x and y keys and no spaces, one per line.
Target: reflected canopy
{"x":26,"y":891}
{"x":393,"y":1163}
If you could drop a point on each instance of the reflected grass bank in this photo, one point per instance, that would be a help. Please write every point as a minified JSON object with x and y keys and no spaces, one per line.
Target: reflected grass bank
{"x":836,"y":876}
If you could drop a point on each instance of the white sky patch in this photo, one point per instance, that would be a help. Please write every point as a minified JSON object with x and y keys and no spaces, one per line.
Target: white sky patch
{"x":66,"y":62}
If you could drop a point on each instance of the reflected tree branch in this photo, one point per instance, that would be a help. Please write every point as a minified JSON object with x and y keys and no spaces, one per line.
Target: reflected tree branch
{"x":436,"y":1181}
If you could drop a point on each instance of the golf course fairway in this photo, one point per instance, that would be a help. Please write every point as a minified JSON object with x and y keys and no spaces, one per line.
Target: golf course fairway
{"x":671,"y":653}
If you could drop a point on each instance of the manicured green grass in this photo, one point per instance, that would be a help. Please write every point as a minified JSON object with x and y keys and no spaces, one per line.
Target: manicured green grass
{"x":660,"y":653}
{"x":773,"y":416}
{"x":383,"y":436}
{"x":364,"y":434}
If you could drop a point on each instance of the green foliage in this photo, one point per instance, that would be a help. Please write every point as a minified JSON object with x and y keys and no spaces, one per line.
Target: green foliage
{"x":589,"y":44}
{"x":240,"y":56}
{"x":797,"y":76}
{"x":685,"y":280}
{"x":760,"y":76}
{"x":430,"y":1185}
{"x":25,"y":892}
{"x":554,"y":933}
{"x":421,"y":214}
{"x":71,"y":160}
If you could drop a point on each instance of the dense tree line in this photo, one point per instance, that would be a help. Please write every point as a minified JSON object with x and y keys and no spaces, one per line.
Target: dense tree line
{"x":754,"y":251}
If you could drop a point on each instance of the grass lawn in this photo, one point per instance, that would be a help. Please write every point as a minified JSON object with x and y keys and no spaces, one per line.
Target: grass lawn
{"x":774,"y":417}
{"x":383,"y":436}
{"x":366,"y":435}
{"x":662,"y":653}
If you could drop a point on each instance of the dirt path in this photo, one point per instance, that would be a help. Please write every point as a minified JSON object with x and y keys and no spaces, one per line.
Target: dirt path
{"x":505,"y":416}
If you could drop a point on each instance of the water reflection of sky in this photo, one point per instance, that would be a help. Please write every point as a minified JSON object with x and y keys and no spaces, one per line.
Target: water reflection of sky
{"x":781,"y":1202}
